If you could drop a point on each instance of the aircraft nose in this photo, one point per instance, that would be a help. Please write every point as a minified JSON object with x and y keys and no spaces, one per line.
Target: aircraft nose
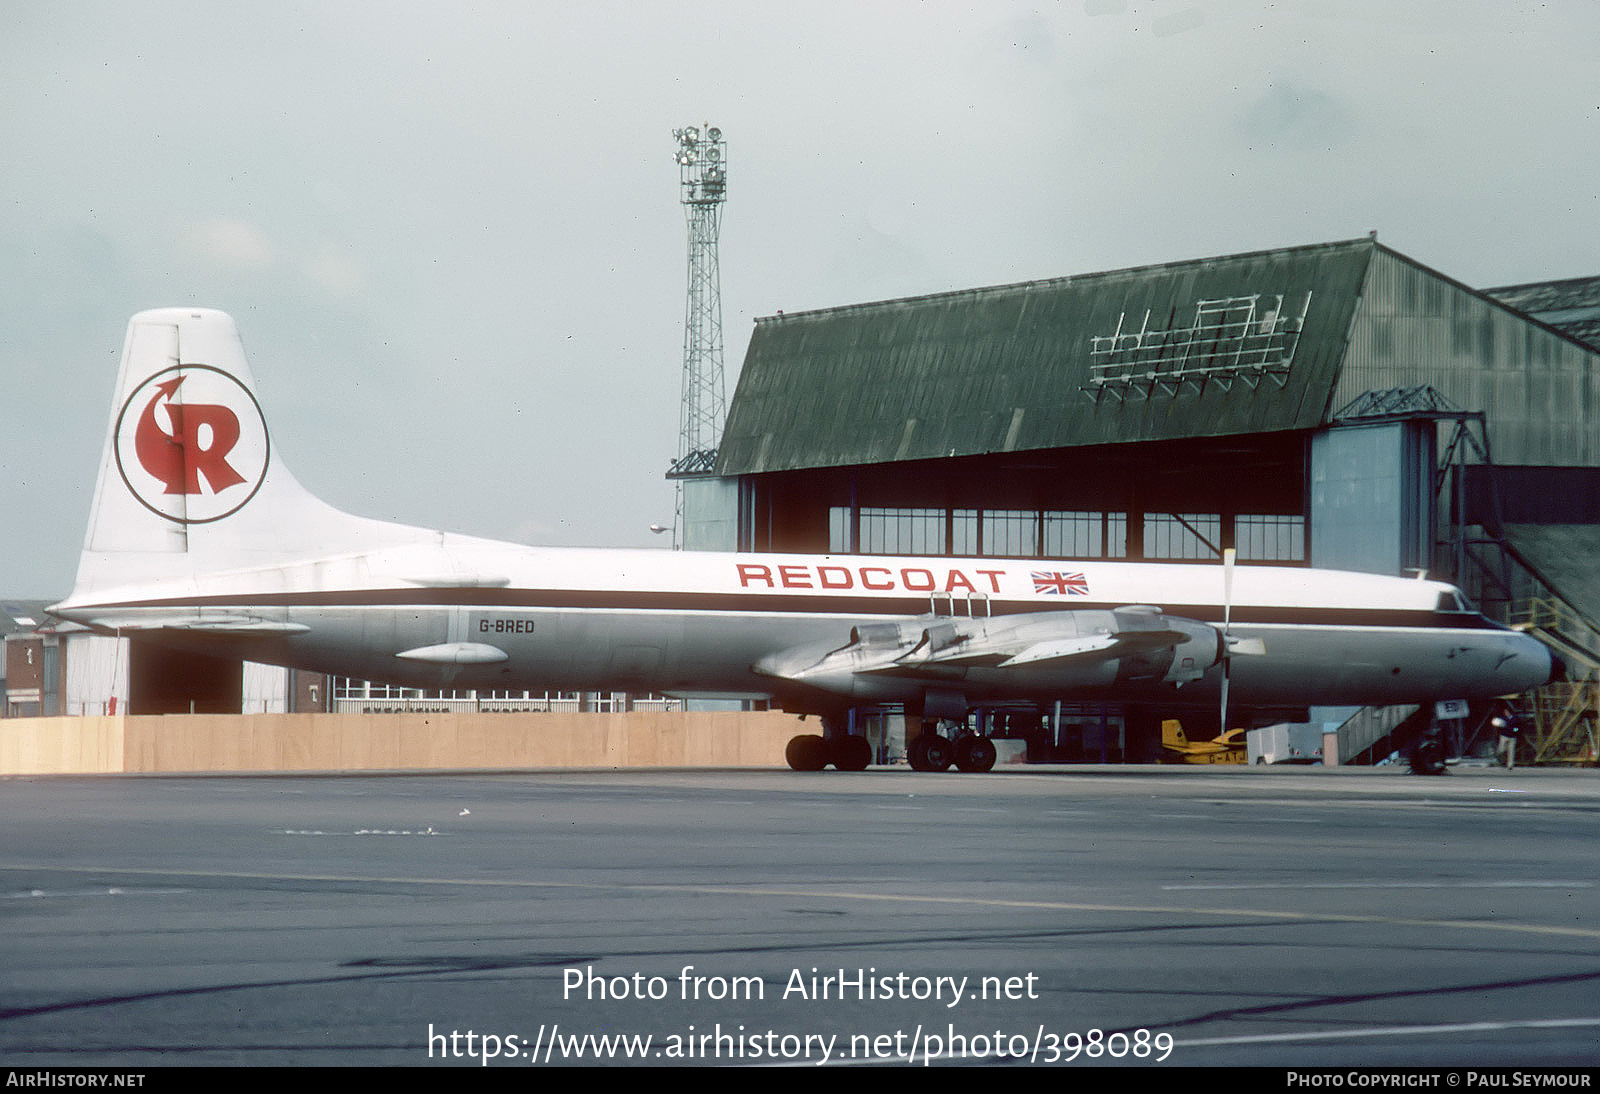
{"x":1527,"y":664}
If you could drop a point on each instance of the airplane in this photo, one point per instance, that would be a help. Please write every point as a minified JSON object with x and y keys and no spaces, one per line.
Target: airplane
{"x":1225,"y":748}
{"x":201,"y":539}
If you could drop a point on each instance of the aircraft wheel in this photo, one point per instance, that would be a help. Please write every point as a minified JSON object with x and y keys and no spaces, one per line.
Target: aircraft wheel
{"x":851,"y":753}
{"x":807,"y":752}
{"x":975,"y":754}
{"x":938,"y":752}
{"x":1428,"y":758}
{"x":917,"y":754}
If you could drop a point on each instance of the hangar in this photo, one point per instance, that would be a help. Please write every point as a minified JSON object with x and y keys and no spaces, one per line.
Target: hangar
{"x":1338,"y":405}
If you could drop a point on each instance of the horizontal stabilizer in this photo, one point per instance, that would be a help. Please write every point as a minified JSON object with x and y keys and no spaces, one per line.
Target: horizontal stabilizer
{"x":208,"y":624}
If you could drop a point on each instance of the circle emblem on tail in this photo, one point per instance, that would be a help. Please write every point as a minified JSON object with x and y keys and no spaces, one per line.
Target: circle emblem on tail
{"x":191,"y":444}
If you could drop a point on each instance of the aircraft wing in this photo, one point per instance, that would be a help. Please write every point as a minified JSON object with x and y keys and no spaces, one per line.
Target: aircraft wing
{"x":1081,"y":646}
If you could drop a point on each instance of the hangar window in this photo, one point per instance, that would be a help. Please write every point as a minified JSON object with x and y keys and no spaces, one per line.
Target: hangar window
{"x":1085,"y":535}
{"x":970,"y":533}
{"x":1182,"y":535}
{"x":902,"y":531}
{"x":963,"y":532}
{"x":1264,"y":537}
{"x":1011,"y":532}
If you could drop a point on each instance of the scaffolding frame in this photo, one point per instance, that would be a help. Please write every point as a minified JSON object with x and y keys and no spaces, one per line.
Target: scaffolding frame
{"x":1230,"y":340}
{"x":1563,"y":714}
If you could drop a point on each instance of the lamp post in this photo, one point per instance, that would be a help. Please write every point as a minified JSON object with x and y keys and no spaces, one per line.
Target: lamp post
{"x":703,"y":187}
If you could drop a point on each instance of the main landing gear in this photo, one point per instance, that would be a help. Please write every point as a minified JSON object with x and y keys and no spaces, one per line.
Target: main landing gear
{"x":928,"y":751}
{"x":931,"y":752}
{"x":813,"y":752}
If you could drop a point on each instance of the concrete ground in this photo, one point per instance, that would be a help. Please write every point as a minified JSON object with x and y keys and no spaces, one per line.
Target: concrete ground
{"x":1086,"y":915}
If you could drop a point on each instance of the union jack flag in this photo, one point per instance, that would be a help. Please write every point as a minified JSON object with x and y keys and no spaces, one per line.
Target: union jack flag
{"x":1052,"y":583}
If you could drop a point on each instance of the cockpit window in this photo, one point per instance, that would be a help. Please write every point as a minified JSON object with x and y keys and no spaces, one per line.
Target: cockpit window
{"x":1451,"y":600}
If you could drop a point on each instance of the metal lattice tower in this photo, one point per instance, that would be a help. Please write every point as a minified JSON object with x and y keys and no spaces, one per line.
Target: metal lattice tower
{"x":703,"y":187}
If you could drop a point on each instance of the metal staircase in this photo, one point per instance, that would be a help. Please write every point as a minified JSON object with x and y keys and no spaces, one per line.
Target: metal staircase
{"x":1367,"y":736}
{"x":1565,"y":712}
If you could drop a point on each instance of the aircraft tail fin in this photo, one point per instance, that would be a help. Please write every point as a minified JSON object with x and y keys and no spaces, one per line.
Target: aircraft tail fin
{"x":1172,"y":734}
{"x":189,"y":478}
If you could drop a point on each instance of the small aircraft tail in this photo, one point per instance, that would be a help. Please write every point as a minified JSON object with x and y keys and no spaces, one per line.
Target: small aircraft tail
{"x":189,"y":479}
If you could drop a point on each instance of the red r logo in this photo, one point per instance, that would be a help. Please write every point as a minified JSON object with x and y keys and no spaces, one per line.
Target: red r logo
{"x":191,"y":444}
{"x":179,"y":458}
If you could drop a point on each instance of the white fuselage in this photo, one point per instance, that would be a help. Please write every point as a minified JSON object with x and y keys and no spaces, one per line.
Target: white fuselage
{"x":470,"y":613}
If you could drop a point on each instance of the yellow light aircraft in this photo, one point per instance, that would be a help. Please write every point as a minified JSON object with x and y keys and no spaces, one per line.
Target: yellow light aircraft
{"x":1226,"y":749}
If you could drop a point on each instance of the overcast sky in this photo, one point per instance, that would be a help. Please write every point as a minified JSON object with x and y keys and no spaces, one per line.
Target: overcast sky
{"x":451,"y":237}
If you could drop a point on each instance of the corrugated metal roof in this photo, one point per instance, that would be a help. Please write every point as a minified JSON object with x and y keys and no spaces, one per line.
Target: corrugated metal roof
{"x":1585,"y":330}
{"x":1571,"y":306}
{"x":1545,"y":296}
{"x":1192,"y":349}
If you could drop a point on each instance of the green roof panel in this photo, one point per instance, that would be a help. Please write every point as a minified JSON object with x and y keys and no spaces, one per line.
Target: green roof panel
{"x":1243,"y":344}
